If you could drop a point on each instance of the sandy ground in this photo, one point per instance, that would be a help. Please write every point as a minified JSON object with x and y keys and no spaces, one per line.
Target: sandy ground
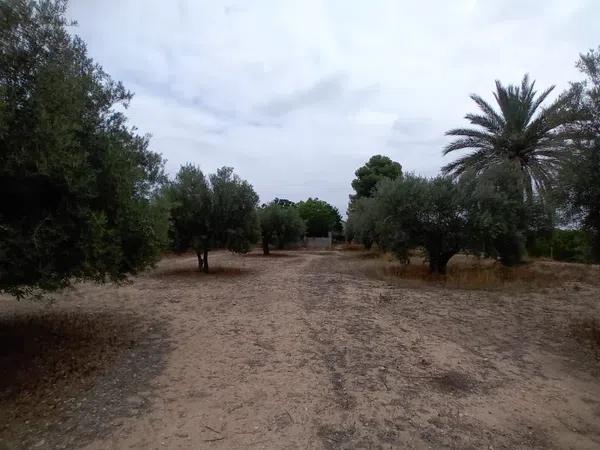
{"x":297,"y":351}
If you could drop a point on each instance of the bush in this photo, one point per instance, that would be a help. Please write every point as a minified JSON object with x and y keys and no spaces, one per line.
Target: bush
{"x":564,"y":245}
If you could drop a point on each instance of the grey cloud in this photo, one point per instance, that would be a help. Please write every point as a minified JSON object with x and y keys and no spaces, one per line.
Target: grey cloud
{"x":297,"y":95}
{"x":227,"y":117}
{"x":435,"y":142}
{"x":411,"y":126}
{"x":325,"y":90}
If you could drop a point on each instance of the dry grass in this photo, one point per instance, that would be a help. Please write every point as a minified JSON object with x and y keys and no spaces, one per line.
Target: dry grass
{"x":467,"y":272}
{"x":350,"y":247}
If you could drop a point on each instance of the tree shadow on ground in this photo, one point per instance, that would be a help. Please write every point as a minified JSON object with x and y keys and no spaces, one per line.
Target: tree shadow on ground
{"x":191,"y":272}
{"x":270,"y":255}
{"x":66,"y":377}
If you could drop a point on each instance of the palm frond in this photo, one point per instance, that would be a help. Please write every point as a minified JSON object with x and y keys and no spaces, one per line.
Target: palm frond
{"x":485,"y":122}
{"x":466,"y":143}
{"x":475,"y":162}
{"x":470,"y":132}
{"x":503,"y":99}
{"x":487,"y":109}
{"x":538,"y":101}
{"x":535,"y":140}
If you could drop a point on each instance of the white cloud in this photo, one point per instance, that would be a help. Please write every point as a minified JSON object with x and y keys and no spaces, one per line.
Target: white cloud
{"x":297,"y":95}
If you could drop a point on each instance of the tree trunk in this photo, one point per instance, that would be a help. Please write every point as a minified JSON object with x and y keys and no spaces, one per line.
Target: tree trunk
{"x":200,"y":264}
{"x":265,"y":245}
{"x":280,"y":242}
{"x":439,"y":263}
{"x":510,"y":250}
{"x":205,"y":266}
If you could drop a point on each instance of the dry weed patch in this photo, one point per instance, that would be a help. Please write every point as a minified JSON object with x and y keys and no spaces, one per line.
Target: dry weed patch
{"x":466,"y":272}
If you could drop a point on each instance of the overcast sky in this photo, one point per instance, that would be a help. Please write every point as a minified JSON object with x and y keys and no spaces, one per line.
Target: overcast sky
{"x":295,"y":95}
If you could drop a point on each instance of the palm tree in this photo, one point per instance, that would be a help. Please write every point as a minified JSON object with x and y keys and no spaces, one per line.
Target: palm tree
{"x":535,"y":143}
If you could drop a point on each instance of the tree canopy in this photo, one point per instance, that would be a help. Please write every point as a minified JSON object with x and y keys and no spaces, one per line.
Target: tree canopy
{"x":218,"y":212}
{"x":580,"y":175}
{"x":414,"y":211}
{"x":361,"y":223}
{"x":376,"y":169}
{"x":320,"y":217}
{"x":498,"y":214}
{"x":79,"y":186}
{"x":279,"y":224}
{"x":283,"y":202}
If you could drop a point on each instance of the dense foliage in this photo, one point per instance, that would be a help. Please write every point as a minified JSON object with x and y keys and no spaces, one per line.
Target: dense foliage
{"x":376,"y":169}
{"x":485,"y":214}
{"x":320,"y":217}
{"x":79,"y":186}
{"x":214,"y":212}
{"x":413,"y":212}
{"x":499,"y":215}
{"x":361,"y":226}
{"x":279,"y":224}
{"x":579,"y":181}
{"x":563,"y":245}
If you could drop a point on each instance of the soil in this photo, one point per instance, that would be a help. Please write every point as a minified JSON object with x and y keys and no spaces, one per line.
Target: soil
{"x":297,"y":351}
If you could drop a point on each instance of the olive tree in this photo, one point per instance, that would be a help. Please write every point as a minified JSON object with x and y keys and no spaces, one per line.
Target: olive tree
{"x":214,"y":212}
{"x":416,"y":211}
{"x":499,"y":215}
{"x":280,"y":224}
{"x":362,"y":221}
{"x":79,"y":186}
{"x":191,"y":206}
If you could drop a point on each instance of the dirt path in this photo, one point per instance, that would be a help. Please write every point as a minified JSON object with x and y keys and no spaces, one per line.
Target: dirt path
{"x":241,"y":373}
{"x":299,"y":351}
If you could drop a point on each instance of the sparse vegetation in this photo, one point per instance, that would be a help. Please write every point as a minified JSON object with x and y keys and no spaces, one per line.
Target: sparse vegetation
{"x":472,"y":273}
{"x":441,"y":321}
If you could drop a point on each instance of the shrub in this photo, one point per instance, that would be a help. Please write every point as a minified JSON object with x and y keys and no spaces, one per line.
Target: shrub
{"x":564,"y":245}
